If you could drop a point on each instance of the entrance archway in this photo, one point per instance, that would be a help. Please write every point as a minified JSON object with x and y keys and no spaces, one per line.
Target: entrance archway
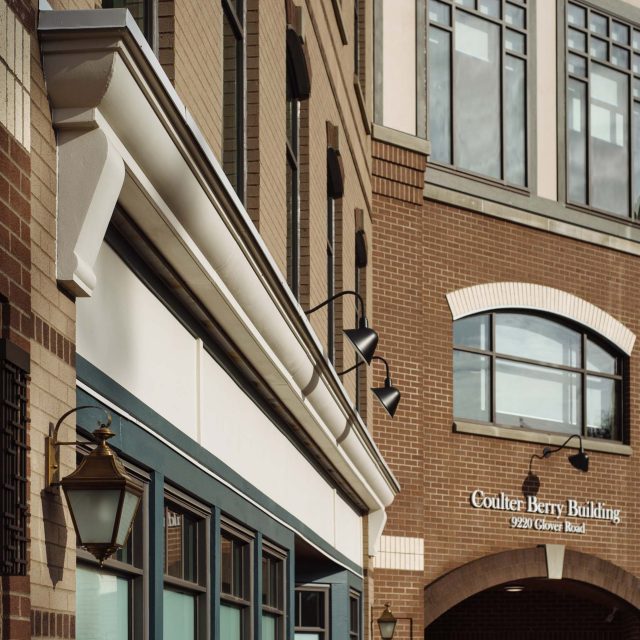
{"x":593,"y":599}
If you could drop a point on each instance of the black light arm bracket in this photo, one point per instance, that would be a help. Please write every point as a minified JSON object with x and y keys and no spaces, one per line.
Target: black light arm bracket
{"x":52,"y":443}
{"x":360,"y":363}
{"x":338,"y":295}
{"x":579,"y":460}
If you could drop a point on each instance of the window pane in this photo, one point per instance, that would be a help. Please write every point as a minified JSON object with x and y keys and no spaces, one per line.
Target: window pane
{"x":226,"y":545}
{"x":102,"y":605}
{"x":489,"y":7}
{"x":311,"y":609}
{"x":599,"y":49}
{"x":577,"y":40}
{"x":636,"y":150}
{"x":178,"y":615}
{"x":354,"y":615}
{"x":601,"y":408}
{"x":469,"y":4}
{"x":515,"y":121}
{"x":620,"y":57}
{"x":514,"y":41}
{"x":269,"y":627}
{"x":598,"y":359}
{"x":230,"y":622}
{"x":180,"y":545}
{"x":577,"y":141}
{"x":636,"y":40}
{"x":477,"y":96}
{"x":598,"y":24}
{"x":577,"y":65}
{"x":472,"y":332}
{"x":577,"y":16}
{"x":515,"y":16}
{"x":537,"y":397}
{"x":307,"y":636}
{"x":535,"y":338}
{"x":620,"y":33}
{"x":609,"y":140}
{"x":636,"y":63}
{"x":440,"y":12}
{"x":471,"y":386}
{"x":440,"y":94}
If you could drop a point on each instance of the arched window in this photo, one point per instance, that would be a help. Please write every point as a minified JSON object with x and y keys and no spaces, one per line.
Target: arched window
{"x":530,"y":371}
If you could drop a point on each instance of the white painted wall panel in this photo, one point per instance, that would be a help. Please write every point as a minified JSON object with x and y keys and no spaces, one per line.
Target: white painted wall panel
{"x":127,"y":333}
{"x":399,"y":65}
{"x":348,"y":531}
{"x":238,"y":432}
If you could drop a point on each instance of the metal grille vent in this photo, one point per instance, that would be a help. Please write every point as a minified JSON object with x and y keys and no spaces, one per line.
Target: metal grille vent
{"x":14,"y":365}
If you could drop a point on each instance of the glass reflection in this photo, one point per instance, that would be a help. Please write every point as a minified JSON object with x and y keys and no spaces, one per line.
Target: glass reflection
{"x":471,"y":386}
{"x":601,"y":408}
{"x":440,"y":94}
{"x":472,"y":332}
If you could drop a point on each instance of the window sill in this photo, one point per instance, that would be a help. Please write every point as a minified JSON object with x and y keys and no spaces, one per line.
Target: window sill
{"x":538,"y":437}
{"x":401,"y":139}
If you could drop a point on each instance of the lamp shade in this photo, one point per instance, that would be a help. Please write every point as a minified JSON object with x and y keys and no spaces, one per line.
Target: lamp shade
{"x":387,"y":623}
{"x":364,"y":340}
{"x":103,"y":499}
{"x":580,"y":461}
{"x":389,"y":397}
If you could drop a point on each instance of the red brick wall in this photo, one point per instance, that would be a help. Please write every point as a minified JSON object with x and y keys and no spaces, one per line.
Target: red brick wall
{"x":421,"y":251}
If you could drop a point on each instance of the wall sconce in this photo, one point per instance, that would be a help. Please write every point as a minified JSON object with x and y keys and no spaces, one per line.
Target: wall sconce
{"x":364,"y":339}
{"x":103,"y":499}
{"x":579,"y":460}
{"x":389,"y":396}
{"x":387,"y":624}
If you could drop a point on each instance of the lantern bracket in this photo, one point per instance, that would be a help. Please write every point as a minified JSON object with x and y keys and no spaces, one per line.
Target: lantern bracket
{"x":52,"y":463}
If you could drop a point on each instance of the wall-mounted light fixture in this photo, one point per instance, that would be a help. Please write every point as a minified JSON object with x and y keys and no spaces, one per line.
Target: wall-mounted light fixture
{"x":387,"y":624}
{"x":389,"y":396}
{"x":578,"y":460}
{"x":103,"y":499}
{"x":364,"y":339}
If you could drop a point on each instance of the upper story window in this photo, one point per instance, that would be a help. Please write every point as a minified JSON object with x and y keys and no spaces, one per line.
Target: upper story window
{"x":535,"y":372}
{"x":477,"y":92}
{"x":603,"y":112}
{"x":234,"y":94}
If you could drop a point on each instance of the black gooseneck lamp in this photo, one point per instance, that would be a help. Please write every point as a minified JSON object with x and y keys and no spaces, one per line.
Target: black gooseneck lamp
{"x":389,"y":396}
{"x":578,"y":460}
{"x":364,"y":339}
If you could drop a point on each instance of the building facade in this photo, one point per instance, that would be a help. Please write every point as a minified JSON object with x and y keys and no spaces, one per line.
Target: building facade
{"x":180,"y":182}
{"x":504,"y":283}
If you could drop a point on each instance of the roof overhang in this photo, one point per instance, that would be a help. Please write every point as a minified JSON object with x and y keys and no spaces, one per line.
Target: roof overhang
{"x":124,"y":136}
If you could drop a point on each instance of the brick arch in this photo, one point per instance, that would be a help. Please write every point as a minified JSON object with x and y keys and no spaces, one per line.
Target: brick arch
{"x":524,"y":295}
{"x":518,"y":564}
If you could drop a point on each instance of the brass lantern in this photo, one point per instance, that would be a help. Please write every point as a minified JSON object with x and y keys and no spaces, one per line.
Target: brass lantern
{"x":387,"y":623}
{"x":103,"y":499}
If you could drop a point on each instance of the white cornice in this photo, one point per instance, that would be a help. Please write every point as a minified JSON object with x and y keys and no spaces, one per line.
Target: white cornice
{"x":101,"y":76}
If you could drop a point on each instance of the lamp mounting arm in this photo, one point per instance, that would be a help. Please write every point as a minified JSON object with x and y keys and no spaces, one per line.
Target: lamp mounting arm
{"x":361,"y":362}
{"x":547,"y":451}
{"x":338,"y":295}
{"x":52,"y":442}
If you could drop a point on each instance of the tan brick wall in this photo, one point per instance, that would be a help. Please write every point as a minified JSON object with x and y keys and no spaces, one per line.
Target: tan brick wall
{"x":422,"y":251}
{"x":198,"y":65}
{"x":52,"y":382}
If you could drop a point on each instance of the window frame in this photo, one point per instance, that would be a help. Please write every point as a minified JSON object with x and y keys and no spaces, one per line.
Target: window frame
{"x":279,"y":611}
{"x":529,"y":102}
{"x":566,"y":76}
{"x":247,"y":605}
{"x":237,"y":20}
{"x":357,"y":597}
{"x":199,"y":588}
{"x":323,"y":632}
{"x":620,"y":378}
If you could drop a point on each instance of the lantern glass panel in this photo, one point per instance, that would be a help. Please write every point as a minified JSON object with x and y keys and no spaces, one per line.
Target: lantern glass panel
{"x":95,"y":512}
{"x":387,"y":629}
{"x":129,"y":507}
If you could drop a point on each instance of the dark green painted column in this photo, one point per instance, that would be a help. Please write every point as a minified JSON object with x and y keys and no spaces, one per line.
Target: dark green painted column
{"x":339,"y":610}
{"x":257,"y":587}
{"x":291,"y":595}
{"x":215,"y":574}
{"x":156,"y":554}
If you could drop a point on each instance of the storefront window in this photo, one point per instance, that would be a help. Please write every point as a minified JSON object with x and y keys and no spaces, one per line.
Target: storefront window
{"x":311,"y":622}
{"x":272,"y":594}
{"x":235,"y":584}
